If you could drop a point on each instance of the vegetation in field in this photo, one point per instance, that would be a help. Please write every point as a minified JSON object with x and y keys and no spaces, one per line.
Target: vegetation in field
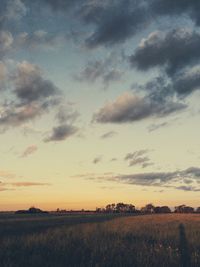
{"x":141,"y":241}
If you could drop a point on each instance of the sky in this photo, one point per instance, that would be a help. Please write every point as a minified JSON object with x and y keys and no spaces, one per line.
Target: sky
{"x":99,"y":103}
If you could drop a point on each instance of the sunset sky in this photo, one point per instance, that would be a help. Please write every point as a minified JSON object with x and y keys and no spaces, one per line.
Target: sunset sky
{"x":99,"y":103}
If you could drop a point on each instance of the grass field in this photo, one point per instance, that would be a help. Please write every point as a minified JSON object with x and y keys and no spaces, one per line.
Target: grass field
{"x":171,"y":240}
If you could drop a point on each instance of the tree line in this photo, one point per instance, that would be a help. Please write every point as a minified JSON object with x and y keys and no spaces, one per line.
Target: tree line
{"x":147,"y":209}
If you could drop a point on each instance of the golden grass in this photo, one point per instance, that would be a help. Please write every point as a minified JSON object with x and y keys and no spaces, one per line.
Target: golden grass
{"x":135,"y":241}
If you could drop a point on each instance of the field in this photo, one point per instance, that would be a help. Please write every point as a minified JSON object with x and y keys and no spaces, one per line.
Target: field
{"x":102,"y":240}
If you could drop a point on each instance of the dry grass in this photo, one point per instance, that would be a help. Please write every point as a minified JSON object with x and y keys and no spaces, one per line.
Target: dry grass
{"x":140,"y":241}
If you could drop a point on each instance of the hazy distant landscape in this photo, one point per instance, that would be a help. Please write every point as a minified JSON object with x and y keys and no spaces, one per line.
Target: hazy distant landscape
{"x":103,"y":240}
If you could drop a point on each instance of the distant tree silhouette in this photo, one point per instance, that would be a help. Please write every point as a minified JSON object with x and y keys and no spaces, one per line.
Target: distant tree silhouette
{"x":131,"y":208}
{"x":149,"y":208}
{"x":198,"y":210}
{"x":110,"y":207}
{"x":121,"y":207}
{"x":163,"y":209}
{"x":118,"y":208}
{"x":98,"y":210}
{"x":31,"y":210}
{"x":183,"y":209}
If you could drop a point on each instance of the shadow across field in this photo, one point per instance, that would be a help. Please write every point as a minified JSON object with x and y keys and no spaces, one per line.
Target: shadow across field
{"x":20,"y":225}
{"x":185,"y":257}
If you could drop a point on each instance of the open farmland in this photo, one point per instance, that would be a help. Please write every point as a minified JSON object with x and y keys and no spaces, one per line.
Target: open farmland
{"x":95,"y":240}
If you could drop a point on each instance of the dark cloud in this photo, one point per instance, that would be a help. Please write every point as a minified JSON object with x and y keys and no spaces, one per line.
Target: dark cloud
{"x":33,"y":96}
{"x":159,"y":88}
{"x":130,"y":108}
{"x":61,"y":5}
{"x":66,"y":117}
{"x":192,"y":172}
{"x":138,"y":158}
{"x":108,"y":134}
{"x":166,"y":179}
{"x":187,"y":188}
{"x":177,"y":7}
{"x":187,"y":82}
{"x":115,"y":21}
{"x":61,"y":133}
{"x":30,"y":86}
{"x":173,"y":50}
{"x":142,"y":161}
{"x":169,"y":89}
{"x":136,"y":154}
{"x":148,"y":179}
{"x":171,"y":180}
{"x":11,"y":10}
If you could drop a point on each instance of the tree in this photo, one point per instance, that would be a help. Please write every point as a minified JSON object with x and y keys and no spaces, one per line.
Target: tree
{"x":198,"y":210}
{"x":131,"y":208}
{"x":149,"y":208}
{"x":183,"y":209}
{"x":121,"y":207}
{"x":110,"y":208}
{"x":163,"y":209}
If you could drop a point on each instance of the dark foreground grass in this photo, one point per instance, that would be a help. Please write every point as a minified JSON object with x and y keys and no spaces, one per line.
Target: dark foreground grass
{"x":143,"y":241}
{"x":20,"y":225}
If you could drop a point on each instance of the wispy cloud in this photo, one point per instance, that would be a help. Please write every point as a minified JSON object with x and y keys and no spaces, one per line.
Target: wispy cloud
{"x":7,"y":174}
{"x":139,"y":158}
{"x":170,"y":180}
{"x":27,"y":184}
{"x":97,"y":160}
{"x":154,"y":127}
{"x":29,"y":150}
{"x":108,"y":134}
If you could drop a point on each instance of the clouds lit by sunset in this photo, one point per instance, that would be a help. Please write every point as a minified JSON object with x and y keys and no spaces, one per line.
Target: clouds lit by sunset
{"x":99,"y":103}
